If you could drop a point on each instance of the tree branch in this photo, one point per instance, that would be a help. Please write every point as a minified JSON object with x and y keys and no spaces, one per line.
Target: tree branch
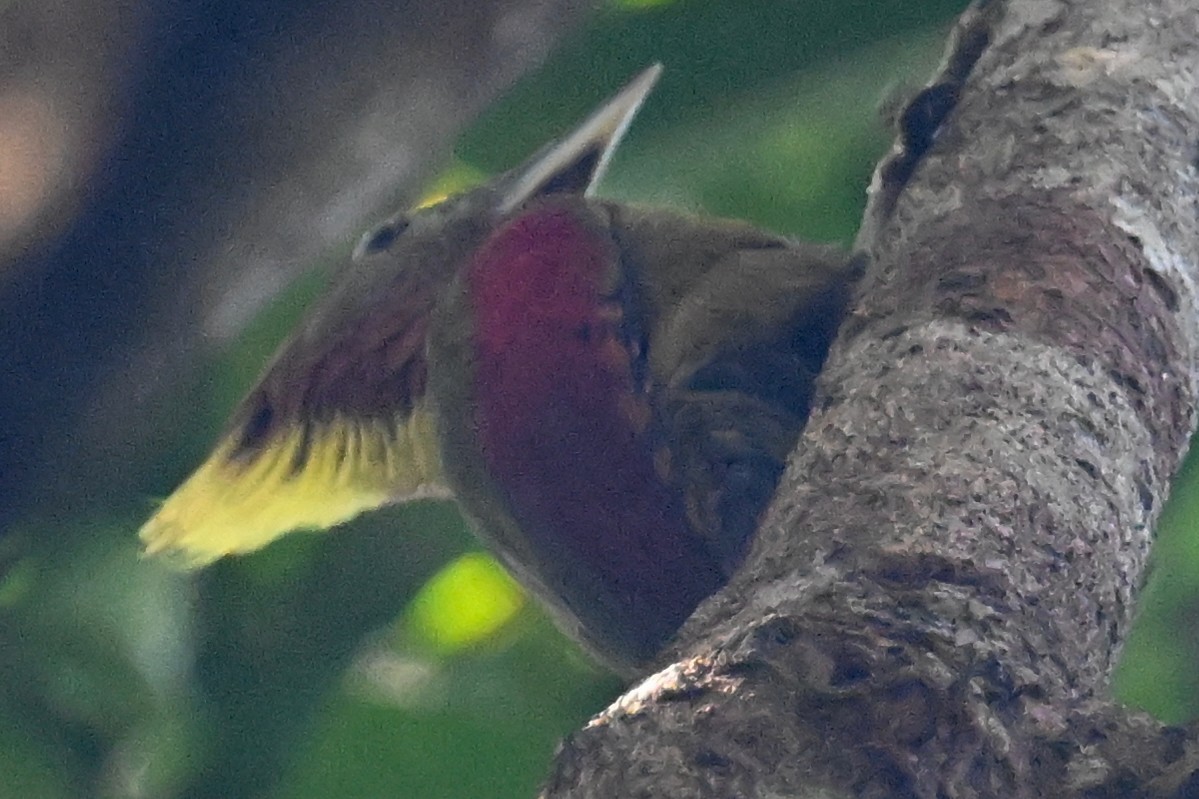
{"x":934,"y":604}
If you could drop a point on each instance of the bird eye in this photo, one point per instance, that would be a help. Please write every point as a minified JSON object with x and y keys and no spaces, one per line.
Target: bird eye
{"x":381,"y":238}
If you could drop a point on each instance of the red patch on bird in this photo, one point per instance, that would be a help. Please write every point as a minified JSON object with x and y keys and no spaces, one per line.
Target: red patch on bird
{"x":562,"y":423}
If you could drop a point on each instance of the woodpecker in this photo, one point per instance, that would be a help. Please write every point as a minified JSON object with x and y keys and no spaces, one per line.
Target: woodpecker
{"x":609,"y":392}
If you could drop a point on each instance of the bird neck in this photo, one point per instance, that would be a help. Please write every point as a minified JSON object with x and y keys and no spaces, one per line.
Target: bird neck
{"x":563,"y":420}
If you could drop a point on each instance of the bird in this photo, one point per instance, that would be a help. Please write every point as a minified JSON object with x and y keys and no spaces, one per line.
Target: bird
{"x":608,"y":391}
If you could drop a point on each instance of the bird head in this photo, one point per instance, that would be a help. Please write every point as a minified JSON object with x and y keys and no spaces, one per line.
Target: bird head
{"x":340,"y":422}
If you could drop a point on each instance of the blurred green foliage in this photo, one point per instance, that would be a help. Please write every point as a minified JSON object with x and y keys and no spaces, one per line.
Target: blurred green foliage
{"x":1160,"y":668}
{"x":320,"y":667}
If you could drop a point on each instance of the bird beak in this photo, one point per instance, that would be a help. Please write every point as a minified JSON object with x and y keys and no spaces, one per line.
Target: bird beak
{"x":575,"y":163}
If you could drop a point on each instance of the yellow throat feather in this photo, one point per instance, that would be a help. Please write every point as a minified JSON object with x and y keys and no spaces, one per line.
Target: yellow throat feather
{"x":301,"y":479}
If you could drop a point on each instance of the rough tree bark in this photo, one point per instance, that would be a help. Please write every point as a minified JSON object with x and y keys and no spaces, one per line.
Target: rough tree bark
{"x":936,"y":600}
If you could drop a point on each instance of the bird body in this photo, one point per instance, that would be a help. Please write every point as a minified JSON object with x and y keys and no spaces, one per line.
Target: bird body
{"x":620,"y":485}
{"x":609,"y":392}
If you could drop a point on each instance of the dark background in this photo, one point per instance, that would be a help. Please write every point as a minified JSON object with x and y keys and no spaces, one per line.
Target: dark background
{"x":176,"y":182}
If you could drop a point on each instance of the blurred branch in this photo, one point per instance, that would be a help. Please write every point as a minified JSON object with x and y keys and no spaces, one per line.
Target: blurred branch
{"x":63,"y":100}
